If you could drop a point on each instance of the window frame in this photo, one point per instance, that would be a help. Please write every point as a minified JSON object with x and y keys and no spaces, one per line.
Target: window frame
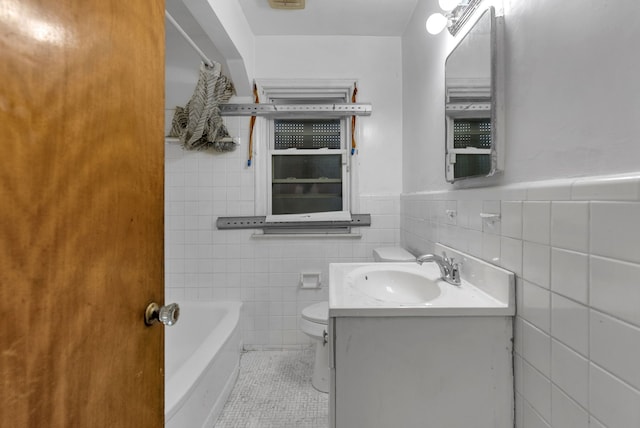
{"x":277,"y":91}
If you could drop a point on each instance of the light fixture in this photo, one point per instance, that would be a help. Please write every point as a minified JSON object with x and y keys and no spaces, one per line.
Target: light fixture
{"x":448,"y":5}
{"x":436,"y":23}
{"x":456,"y":13}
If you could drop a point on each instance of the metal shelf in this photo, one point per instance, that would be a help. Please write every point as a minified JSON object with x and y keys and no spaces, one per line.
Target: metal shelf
{"x":298,"y":110}
{"x":259,"y":222}
{"x":307,"y":196}
{"x":305,"y":180}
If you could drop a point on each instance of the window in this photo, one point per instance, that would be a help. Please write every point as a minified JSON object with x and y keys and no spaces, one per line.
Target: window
{"x":471,"y":147}
{"x":308,"y":166}
{"x":305,"y":174}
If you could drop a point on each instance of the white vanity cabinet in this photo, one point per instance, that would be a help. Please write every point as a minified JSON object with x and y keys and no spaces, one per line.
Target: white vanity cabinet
{"x":399,"y":361}
{"x":421,"y":371}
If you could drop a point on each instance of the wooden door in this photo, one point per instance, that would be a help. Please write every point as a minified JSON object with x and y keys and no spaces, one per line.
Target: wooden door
{"x":81,"y":212}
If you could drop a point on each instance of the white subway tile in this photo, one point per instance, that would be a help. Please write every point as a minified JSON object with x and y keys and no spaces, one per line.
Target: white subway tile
{"x":491,"y":248}
{"x":531,"y":418}
{"x":565,"y":413}
{"x":190,"y":179}
{"x":614,"y":230}
{"x":570,"y":323}
{"x":536,"y":346}
{"x":491,"y":225}
{"x":535,"y":263}
{"x":615,"y":346}
{"x":536,"y":219}
{"x":474,"y":242}
{"x":537,"y":391}
{"x":451,"y":212}
{"x":464,"y":210}
{"x":570,"y":225}
{"x":511,"y":219}
{"x":611,"y":401}
{"x":570,"y":274}
{"x":511,"y":254}
{"x":475,"y":221}
{"x":570,"y":371}
{"x":615,"y":288}
{"x":536,"y":305}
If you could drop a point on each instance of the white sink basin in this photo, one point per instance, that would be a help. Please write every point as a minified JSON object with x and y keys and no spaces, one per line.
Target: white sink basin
{"x":395,"y":284}
{"x":409,"y":289}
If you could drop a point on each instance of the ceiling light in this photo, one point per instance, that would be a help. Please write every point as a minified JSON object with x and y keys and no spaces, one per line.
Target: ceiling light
{"x":436,"y":23}
{"x":448,"y":5}
{"x":456,"y":14}
{"x":287,"y":4}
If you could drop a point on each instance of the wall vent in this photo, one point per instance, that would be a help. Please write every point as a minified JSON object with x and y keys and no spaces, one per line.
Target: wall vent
{"x":287,"y":4}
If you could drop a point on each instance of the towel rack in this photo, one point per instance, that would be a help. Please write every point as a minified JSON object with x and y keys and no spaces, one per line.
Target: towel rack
{"x":184,"y":34}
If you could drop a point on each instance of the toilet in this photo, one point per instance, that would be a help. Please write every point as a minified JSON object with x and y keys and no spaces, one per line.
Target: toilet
{"x":316,"y":317}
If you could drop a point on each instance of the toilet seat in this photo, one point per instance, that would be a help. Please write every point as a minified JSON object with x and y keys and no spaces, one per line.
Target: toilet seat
{"x":315,"y":319}
{"x":318,"y":312}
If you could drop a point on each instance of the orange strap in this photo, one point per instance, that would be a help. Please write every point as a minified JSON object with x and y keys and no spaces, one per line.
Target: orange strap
{"x":252,"y":123}
{"x":353,"y":121}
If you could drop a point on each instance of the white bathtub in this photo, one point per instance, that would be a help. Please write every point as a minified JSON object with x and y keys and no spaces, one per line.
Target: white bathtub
{"x":202,"y":355}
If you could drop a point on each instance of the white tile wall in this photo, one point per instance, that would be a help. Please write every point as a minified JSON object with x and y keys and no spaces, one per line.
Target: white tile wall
{"x":612,"y":401}
{"x":536,"y":218}
{"x":536,"y":306}
{"x":569,"y":274}
{"x":569,"y":222}
{"x":536,"y":263}
{"x":566,"y":412}
{"x":577,"y":327}
{"x":203,"y":263}
{"x":570,"y":372}
{"x":570,"y":323}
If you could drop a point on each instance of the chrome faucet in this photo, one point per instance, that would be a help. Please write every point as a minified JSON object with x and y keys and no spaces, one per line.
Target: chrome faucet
{"x":449,"y":270}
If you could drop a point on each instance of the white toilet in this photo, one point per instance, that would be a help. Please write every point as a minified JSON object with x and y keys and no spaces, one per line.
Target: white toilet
{"x":316,"y":317}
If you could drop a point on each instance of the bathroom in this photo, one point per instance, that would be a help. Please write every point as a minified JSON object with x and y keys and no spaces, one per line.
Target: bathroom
{"x":569,"y":191}
{"x":568,"y":199}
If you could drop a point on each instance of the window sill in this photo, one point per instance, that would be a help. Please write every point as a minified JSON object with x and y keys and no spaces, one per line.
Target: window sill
{"x":315,"y":228}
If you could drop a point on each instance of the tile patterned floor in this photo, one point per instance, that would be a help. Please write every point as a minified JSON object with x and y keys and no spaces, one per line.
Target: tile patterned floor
{"x":274,"y":391}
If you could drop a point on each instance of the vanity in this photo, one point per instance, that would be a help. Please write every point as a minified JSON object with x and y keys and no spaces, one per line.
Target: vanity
{"x":407,"y":349}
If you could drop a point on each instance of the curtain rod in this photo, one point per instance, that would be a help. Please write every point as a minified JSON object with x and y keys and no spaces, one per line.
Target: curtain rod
{"x":188,"y":39}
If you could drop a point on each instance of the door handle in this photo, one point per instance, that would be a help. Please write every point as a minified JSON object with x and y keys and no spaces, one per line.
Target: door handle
{"x":167,"y":315}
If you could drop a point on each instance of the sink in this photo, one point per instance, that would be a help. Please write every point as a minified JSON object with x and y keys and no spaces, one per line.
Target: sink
{"x":410,"y":289}
{"x":395,"y":284}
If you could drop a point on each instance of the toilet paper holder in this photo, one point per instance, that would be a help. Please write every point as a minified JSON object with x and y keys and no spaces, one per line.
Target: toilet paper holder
{"x":310,"y":280}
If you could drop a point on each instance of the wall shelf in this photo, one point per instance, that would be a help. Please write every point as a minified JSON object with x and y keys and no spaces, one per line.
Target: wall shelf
{"x":297,"y":110}
{"x":259,"y":222}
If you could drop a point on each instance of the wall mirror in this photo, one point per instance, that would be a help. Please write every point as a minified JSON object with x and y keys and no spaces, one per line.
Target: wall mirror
{"x":472,"y":132}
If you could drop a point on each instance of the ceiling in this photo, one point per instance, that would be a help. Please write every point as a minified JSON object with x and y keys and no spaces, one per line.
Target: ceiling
{"x":330,"y":17}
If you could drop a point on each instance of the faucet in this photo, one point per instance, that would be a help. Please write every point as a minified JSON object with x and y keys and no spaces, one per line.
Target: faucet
{"x":449,"y":270}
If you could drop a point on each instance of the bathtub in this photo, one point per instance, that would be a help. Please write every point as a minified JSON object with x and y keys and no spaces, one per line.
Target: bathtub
{"x":202,"y":355}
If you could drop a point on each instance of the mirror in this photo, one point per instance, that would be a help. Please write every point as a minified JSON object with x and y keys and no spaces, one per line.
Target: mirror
{"x":470,"y":103}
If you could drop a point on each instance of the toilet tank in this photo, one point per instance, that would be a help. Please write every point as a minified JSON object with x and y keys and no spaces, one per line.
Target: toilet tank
{"x":392,"y":254}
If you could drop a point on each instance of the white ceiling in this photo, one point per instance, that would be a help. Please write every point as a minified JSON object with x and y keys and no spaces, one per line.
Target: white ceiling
{"x":330,"y":17}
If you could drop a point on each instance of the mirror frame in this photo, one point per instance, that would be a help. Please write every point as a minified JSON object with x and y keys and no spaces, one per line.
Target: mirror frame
{"x":497,"y":105}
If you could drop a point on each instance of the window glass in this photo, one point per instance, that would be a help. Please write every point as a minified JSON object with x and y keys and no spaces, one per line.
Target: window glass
{"x":306,"y":183}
